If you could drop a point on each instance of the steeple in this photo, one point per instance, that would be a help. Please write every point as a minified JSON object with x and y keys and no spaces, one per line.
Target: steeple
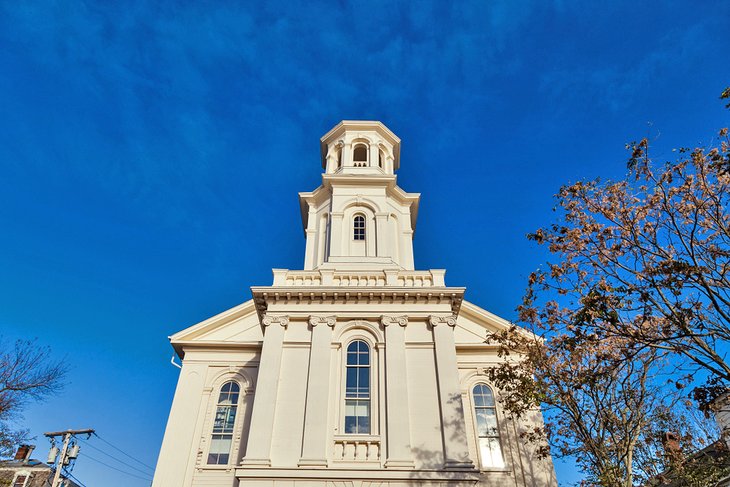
{"x":359,"y":218}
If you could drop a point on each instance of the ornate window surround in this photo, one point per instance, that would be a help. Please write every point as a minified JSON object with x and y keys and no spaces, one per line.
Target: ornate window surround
{"x":245,"y":396}
{"x":468,"y":383}
{"x":350,"y":332}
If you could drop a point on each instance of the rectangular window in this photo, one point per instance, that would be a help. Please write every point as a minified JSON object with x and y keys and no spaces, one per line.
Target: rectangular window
{"x":20,"y":481}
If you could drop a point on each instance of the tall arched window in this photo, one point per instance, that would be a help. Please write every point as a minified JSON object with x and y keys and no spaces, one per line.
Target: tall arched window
{"x":358,"y":228}
{"x":225,"y":420}
{"x":485,"y":411}
{"x":357,"y":388}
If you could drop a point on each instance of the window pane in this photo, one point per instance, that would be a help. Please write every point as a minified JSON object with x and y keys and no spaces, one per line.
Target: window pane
{"x":229,"y":393}
{"x":352,"y":358}
{"x":483,"y":395}
{"x":351,"y":381}
{"x":364,"y":358}
{"x":479,"y":400}
{"x":487,"y":422}
{"x":220,"y":448}
{"x":363,"y":425}
{"x":350,"y":424}
{"x":482,"y":426}
{"x":491,"y":420}
{"x":491,"y":453}
{"x":364,"y":381}
{"x":488,"y":397}
{"x":225,"y":419}
{"x":357,"y":417}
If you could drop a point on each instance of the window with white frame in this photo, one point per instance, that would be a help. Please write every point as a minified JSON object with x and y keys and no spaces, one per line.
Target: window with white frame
{"x":358,"y":227}
{"x":21,"y":479}
{"x":485,"y":411}
{"x":357,"y":388}
{"x":223,"y":424}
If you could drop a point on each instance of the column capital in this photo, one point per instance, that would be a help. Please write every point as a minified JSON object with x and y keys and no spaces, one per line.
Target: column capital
{"x":275,"y":320}
{"x":323,"y":320}
{"x":435,"y":320}
{"x":387,"y":320}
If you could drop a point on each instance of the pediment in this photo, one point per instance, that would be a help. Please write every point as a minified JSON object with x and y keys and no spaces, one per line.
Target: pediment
{"x":474,"y":323}
{"x":239,"y":324}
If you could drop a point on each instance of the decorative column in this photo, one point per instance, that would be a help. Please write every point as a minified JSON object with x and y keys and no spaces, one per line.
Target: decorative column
{"x":453,"y":427}
{"x":258,"y":451}
{"x":396,"y":393}
{"x":316,"y":430}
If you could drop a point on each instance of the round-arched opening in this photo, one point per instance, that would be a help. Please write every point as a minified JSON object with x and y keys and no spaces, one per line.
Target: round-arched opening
{"x":357,"y":388}
{"x":360,"y":154}
{"x":358,"y":227}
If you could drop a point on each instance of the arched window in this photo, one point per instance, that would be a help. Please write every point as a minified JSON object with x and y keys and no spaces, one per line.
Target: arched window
{"x":225,"y":420}
{"x":485,"y":411}
{"x":357,"y":389}
{"x":358,"y":228}
{"x":360,"y":155}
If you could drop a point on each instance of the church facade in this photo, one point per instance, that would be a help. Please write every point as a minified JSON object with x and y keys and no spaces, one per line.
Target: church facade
{"x":357,"y":370}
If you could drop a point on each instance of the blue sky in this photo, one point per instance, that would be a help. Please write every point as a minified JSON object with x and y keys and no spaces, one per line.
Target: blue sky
{"x":151,"y":152}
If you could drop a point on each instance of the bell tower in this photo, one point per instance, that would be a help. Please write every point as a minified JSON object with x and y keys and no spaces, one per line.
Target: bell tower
{"x":359,"y":219}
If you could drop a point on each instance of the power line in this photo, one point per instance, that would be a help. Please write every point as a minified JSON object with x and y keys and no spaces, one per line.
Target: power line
{"x":125,"y":453}
{"x":73,"y":477}
{"x":87,"y":443}
{"x":68,"y":453}
{"x":115,"y":468}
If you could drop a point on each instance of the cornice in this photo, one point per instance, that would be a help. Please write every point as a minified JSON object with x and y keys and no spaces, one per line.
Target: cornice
{"x":264,"y":296}
{"x":181,"y":346}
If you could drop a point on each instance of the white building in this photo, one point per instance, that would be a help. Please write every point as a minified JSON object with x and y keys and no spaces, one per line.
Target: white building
{"x":357,"y":370}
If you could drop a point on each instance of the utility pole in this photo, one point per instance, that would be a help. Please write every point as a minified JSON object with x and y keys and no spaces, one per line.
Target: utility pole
{"x":67,"y":435}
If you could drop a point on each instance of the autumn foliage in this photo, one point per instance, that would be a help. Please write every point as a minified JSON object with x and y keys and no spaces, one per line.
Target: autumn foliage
{"x":631,"y":316}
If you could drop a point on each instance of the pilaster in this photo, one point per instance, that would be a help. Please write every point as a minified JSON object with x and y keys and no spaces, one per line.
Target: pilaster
{"x":398,"y":443}
{"x":374,"y":150}
{"x":336,"y":233}
{"x":258,"y":451}
{"x":381,"y":234}
{"x":314,"y":444}
{"x":311,"y":242}
{"x":453,"y":426}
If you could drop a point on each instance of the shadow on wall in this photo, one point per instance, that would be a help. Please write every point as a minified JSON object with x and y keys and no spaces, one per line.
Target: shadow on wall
{"x":453,"y":430}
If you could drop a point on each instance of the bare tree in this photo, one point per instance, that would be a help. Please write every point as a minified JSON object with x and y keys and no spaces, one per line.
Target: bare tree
{"x":27,"y":373}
